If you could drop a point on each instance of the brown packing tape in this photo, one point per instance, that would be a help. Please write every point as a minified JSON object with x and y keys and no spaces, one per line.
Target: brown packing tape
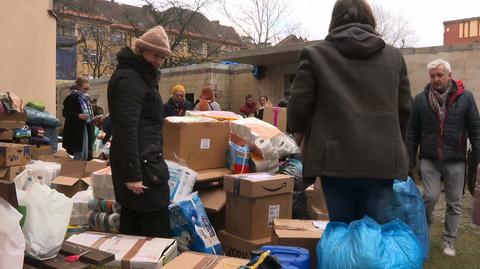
{"x":99,"y":242}
{"x":288,"y":228}
{"x":125,"y":263}
{"x":208,"y":262}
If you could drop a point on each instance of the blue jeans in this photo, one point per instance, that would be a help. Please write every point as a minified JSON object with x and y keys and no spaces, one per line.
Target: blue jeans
{"x":82,"y":155}
{"x":350,"y":199}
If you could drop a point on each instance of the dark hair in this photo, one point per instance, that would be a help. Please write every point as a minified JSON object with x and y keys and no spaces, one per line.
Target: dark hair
{"x":350,"y":11}
{"x":248,"y":96}
{"x":79,"y":81}
{"x":264,"y":96}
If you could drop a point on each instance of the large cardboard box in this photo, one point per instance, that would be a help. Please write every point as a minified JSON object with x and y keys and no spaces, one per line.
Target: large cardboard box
{"x":276,"y":116}
{"x":6,"y":134}
{"x":75,"y":176}
{"x":201,"y":145}
{"x":130,"y":251}
{"x":8,"y":174}
{"x":212,"y":174}
{"x":200,"y":260}
{"x":16,"y":116}
{"x":14,"y":154}
{"x":214,"y":199}
{"x":235,"y":246}
{"x":298,"y":233}
{"x":254,"y":201}
{"x":44,"y":150}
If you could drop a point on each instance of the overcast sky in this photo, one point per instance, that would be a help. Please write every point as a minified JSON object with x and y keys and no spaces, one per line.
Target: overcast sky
{"x":425,"y":16}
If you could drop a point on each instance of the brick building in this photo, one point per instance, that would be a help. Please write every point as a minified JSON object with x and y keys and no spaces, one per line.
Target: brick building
{"x":461,"y":31}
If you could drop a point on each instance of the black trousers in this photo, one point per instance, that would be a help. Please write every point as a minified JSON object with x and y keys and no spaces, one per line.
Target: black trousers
{"x":150,"y":224}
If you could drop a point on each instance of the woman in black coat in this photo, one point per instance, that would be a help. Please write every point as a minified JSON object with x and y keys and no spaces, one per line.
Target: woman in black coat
{"x":140,"y":175}
{"x":78,"y":130}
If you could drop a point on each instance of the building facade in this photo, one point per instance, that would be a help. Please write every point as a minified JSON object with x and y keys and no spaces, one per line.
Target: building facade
{"x":462,"y":31}
{"x":90,"y":33}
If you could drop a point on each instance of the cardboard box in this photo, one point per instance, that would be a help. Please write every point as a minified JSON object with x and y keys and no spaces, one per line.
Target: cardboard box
{"x":202,"y":145}
{"x":38,"y":151}
{"x":254,"y":201}
{"x":130,"y":251}
{"x":298,"y":233}
{"x":234,"y":246}
{"x":14,"y":154}
{"x":201,"y":260}
{"x":276,"y":116}
{"x":6,"y":134}
{"x":214,"y":200}
{"x":212,"y":174}
{"x":75,"y":176}
{"x":15,"y":116}
{"x":12,"y":124}
{"x":9,"y":193}
{"x":8,"y":174}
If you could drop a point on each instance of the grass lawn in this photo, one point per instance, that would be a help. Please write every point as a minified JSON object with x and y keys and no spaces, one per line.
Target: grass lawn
{"x":467,"y":246}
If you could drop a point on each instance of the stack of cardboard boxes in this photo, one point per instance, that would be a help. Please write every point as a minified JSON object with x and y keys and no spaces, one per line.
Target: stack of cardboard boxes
{"x":13,"y":158}
{"x":254,"y":201}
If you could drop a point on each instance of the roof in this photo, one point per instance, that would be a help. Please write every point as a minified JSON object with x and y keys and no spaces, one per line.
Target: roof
{"x":284,"y":54}
{"x":141,"y":18}
{"x":461,"y":20}
{"x":290,"y":39}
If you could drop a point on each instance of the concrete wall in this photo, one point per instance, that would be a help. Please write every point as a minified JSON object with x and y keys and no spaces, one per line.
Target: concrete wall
{"x":232,"y":83}
{"x":464,"y":60}
{"x":27,"y":66}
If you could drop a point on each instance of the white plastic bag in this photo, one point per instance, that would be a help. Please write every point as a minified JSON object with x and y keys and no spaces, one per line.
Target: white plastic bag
{"x":46,"y":221}
{"x":12,"y":243}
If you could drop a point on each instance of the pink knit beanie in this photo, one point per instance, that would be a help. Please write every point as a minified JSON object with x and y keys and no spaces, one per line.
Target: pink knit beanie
{"x":155,"y":40}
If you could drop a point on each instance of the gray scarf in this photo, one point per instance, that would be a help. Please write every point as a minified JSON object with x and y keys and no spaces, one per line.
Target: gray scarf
{"x":438,"y":101}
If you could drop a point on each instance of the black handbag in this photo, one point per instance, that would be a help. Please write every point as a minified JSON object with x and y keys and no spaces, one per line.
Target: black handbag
{"x":154,"y":169}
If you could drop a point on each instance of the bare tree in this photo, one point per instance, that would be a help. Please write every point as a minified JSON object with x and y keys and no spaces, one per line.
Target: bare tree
{"x":263,"y":22}
{"x":394,"y":29}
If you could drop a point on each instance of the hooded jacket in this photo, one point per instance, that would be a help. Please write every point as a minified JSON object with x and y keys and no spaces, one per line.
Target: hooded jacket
{"x":351,"y":99}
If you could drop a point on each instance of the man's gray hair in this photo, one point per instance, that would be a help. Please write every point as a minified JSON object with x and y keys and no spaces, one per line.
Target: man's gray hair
{"x":439,"y":62}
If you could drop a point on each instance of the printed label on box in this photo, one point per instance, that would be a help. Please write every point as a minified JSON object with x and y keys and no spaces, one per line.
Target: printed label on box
{"x":273,"y":213}
{"x":205,"y":143}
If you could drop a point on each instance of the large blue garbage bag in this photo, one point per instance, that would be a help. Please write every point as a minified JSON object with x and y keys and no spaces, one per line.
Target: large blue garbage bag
{"x":408,"y":206}
{"x":366,"y":244}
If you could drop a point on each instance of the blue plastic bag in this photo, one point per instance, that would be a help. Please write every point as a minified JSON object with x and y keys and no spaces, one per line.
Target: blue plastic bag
{"x":190,"y":226}
{"x":366,"y":244}
{"x":41,"y":118}
{"x":408,"y":206}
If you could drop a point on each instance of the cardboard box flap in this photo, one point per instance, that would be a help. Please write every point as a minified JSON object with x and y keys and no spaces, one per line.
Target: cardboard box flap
{"x":73,"y":168}
{"x":212,"y":174}
{"x":87,"y":180}
{"x":258,"y":184}
{"x":93,"y":166}
{"x":213,"y":199}
{"x":3,"y":171}
{"x":66,"y":181}
{"x":200,"y":260}
{"x":284,"y":228}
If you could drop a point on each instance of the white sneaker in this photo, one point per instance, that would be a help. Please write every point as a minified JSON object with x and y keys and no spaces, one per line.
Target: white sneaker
{"x":448,"y":249}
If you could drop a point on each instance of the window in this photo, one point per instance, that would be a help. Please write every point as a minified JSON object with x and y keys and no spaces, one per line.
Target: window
{"x":460,"y":30}
{"x":66,"y":28}
{"x":473,"y":28}
{"x":118,"y":37}
{"x":465,"y":29}
{"x":113,"y":59}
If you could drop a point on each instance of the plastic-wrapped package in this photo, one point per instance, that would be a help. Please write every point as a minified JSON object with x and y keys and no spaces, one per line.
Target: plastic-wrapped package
{"x":238,"y":159}
{"x":45,"y":171}
{"x":102,"y":184}
{"x":181,"y":180}
{"x":80,"y":207}
{"x":217,"y":115}
{"x":190,"y":226}
{"x":175,"y":119}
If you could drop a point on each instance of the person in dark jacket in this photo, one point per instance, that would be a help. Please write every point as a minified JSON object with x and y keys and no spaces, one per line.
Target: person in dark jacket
{"x":78,"y":129}
{"x":177,"y":105}
{"x":140,"y":175}
{"x":442,"y":115}
{"x":351,"y":101}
